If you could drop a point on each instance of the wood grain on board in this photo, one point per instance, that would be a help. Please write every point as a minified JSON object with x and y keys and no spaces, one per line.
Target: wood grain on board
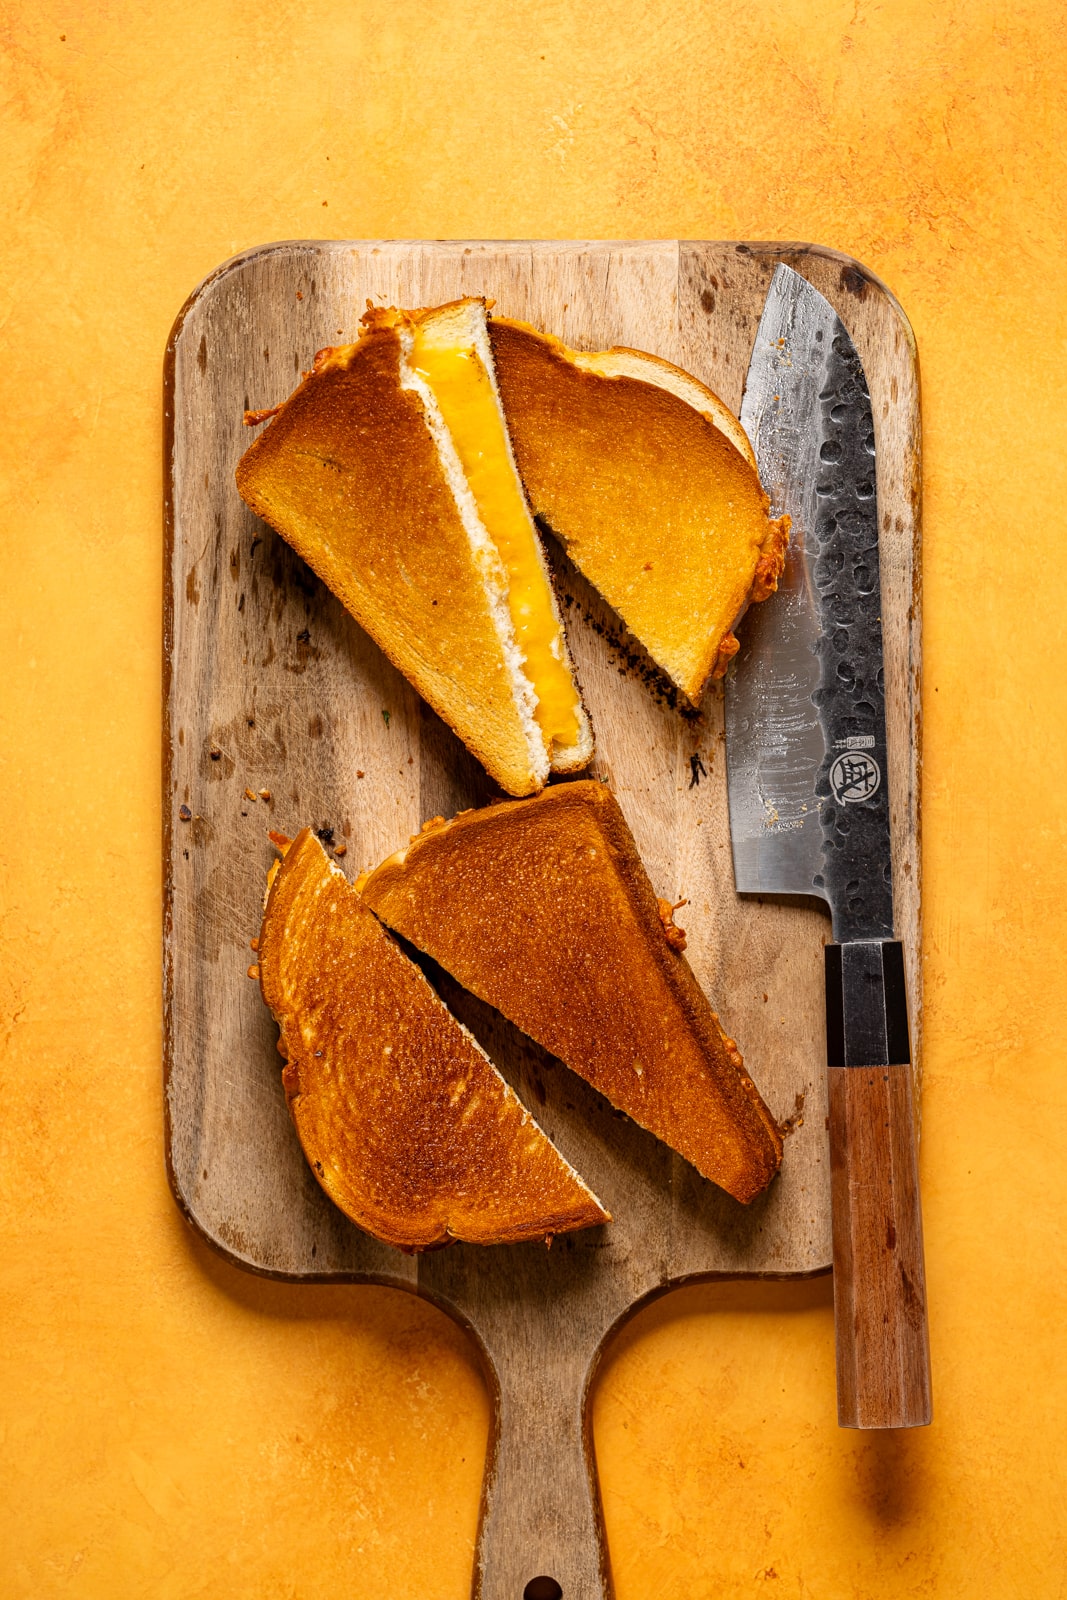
{"x":271,"y":686}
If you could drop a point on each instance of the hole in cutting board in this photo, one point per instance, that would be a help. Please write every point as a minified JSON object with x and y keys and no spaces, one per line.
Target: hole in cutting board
{"x":542,"y":1589}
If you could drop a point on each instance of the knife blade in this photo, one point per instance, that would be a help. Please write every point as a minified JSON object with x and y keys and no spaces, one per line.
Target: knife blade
{"x":808,"y":785}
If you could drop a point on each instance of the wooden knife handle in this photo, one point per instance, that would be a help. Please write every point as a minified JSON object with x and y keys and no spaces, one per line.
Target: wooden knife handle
{"x":541,"y":1535}
{"x":883,"y":1355}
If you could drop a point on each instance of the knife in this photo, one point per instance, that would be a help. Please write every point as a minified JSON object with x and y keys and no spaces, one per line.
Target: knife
{"x":808,"y":782}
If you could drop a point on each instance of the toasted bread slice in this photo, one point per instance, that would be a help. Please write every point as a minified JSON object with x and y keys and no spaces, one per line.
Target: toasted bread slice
{"x":384,"y":498}
{"x":407,"y":1125}
{"x":543,"y":909}
{"x":650,"y":482}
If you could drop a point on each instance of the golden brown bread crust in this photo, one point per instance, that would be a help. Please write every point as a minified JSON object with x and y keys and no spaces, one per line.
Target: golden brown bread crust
{"x":406,"y":1123}
{"x":621,"y":361}
{"x":655,"y":504}
{"x":348,"y":473}
{"x":543,"y":908}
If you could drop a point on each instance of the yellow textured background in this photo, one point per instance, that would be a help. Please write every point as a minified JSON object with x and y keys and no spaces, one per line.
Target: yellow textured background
{"x":171,"y":1428}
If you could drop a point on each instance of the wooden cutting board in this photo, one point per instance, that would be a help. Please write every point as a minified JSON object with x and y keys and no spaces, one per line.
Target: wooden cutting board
{"x":272,"y":689}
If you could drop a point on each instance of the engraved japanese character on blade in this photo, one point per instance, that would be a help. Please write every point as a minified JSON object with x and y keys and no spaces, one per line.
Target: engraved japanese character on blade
{"x":854,"y":778}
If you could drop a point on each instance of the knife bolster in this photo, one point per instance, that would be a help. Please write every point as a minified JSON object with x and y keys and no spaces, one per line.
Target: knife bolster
{"x":866,"y":1004}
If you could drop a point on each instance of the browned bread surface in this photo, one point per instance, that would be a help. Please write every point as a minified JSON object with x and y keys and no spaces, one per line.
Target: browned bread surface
{"x":542,"y":908}
{"x":406,"y":1123}
{"x":348,"y":473}
{"x":656,"y":506}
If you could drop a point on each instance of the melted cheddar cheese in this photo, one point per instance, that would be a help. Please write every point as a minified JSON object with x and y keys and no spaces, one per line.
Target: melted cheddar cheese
{"x":464,"y":394}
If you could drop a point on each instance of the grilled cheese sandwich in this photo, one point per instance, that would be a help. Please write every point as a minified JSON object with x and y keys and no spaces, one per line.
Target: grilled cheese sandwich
{"x":404,"y":1120}
{"x":390,"y":471}
{"x":543,"y":909}
{"x":650,"y":483}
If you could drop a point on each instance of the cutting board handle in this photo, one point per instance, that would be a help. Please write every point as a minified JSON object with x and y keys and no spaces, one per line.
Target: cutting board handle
{"x":541,"y":1535}
{"x":883,"y":1351}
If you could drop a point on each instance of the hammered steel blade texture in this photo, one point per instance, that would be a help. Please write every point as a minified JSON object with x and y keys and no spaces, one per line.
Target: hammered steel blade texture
{"x":805,"y":697}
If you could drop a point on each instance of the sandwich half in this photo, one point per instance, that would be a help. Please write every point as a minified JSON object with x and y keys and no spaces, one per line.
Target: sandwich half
{"x":650,"y":483}
{"x":390,"y":471}
{"x":542,"y":908}
{"x":405,"y":1121}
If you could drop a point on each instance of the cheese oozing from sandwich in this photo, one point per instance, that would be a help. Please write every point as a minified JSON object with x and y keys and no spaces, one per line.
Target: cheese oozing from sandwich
{"x":448,"y":361}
